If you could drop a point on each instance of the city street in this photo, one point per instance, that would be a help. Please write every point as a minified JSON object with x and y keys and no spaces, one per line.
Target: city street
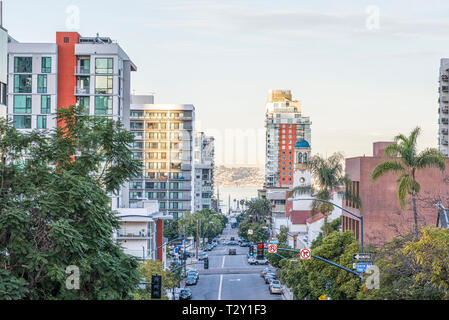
{"x":230,"y":277}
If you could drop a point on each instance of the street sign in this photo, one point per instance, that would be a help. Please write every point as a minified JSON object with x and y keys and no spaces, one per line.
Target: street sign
{"x":250,"y":231}
{"x":305,"y":254}
{"x":361,"y":266}
{"x":362,"y":256}
{"x":274,"y":241}
{"x":272,"y":248}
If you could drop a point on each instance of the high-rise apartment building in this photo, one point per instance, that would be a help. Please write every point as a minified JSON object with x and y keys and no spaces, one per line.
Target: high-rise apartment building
{"x":204,"y":171}
{"x":164,"y":142}
{"x":3,"y":65}
{"x":443,"y":109}
{"x":89,"y":71}
{"x":93,"y":72}
{"x":285,"y":125}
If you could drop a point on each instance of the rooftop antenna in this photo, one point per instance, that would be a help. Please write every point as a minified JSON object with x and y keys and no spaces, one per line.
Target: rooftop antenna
{"x":97,"y":39}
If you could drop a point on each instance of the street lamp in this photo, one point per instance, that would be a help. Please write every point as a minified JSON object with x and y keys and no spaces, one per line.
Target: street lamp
{"x":351,"y":213}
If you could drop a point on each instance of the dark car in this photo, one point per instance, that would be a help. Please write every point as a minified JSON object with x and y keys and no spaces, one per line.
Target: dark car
{"x":208,"y":247}
{"x":191,"y":280}
{"x":185,"y":294}
{"x":233,"y":251}
{"x":232,"y":243}
{"x":269,"y":276}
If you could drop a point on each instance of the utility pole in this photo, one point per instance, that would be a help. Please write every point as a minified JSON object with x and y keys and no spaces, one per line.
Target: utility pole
{"x":197,"y":239}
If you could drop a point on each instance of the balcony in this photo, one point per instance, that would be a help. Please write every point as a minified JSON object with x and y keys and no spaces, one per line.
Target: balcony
{"x":444,"y":131}
{"x":444,"y":142}
{"x":133,"y":234}
{"x":445,"y":109}
{"x":444,"y":120}
{"x":81,"y":70}
{"x":81,"y":91}
{"x":444,"y":78}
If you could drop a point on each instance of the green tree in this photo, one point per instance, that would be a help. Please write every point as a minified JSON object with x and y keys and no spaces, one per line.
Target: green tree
{"x":329,"y":176}
{"x":55,"y":210}
{"x":154,"y":267}
{"x":309,"y":279}
{"x":282,"y":235}
{"x":275,"y":259}
{"x":406,"y":161}
{"x":258,"y":210}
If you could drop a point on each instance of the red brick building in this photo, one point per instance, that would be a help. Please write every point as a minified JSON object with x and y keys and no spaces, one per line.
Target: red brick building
{"x":383,"y":218}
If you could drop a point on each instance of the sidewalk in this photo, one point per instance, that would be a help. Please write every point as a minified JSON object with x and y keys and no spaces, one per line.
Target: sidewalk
{"x":286,"y":293}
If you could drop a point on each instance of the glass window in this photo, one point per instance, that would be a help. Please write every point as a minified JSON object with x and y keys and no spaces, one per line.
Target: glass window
{"x":45,"y":104}
{"x":23,"y":64}
{"x":22,"y":122}
{"x":104,"y":65}
{"x":103,"y":84}
{"x":42,"y":83}
{"x":42,"y":122}
{"x":22,"y":104}
{"x":103,"y":105}
{"x":46,"y":64}
{"x":22,"y":83}
{"x":83,"y":101}
{"x":84,"y":65}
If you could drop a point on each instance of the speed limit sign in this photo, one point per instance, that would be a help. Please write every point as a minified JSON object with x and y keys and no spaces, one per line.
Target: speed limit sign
{"x":272,"y":248}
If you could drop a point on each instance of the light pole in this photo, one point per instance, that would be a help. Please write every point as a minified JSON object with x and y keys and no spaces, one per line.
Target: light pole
{"x":351,"y":213}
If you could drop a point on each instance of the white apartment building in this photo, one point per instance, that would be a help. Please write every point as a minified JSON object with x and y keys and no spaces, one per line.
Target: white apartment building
{"x":3,"y":65}
{"x":443,"y":109}
{"x":89,"y":71}
{"x":204,"y":171}
{"x":164,"y":142}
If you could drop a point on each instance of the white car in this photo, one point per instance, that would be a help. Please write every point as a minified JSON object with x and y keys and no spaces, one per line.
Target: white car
{"x":275,"y":287}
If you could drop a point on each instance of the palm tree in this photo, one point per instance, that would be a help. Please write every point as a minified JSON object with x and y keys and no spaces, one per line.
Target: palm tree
{"x":406,"y":161}
{"x":329,"y":176}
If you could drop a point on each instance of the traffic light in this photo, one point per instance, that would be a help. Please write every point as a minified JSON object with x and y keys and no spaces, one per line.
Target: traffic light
{"x":206,"y":263}
{"x":156,"y":286}
{"x":180,"y":253}
{"x":251,"y":250}
{"x":260,"y":251}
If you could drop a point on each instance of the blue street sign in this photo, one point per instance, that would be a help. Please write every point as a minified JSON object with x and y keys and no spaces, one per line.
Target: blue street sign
{"x":361,"y":266}
{"x":274,"y":241}
{"x":176,"y":250}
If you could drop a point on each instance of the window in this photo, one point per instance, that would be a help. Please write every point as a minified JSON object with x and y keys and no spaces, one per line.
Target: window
{"x":22,"y":122}
{"x":42,"y":122}
{"x":42,"y":83}
{"x":83,"y":101}
{"x":22,"y":83}
{"x":22,"y":104}
{"x":104,"y":65}
{"x":45,"y":104}
{"x":66,"y":39}
{"x":3,"y":91}
{"x":103,"y":105}
{"x":23,"y":64}
{"x":46,"y":64}
{"x":103,"y":84}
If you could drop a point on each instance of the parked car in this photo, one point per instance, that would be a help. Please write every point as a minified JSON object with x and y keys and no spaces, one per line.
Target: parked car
{"x":188,"y":254}
{"x":202,"y":256}
{"x":262,"y":261}
{"x":268,"y":276}
{"x":265,"y":271}
{"x":193,"y":273}
{"x":232,"y":243}
{"x":232,"y":252}
{"x":185,"y":294}
{"x":191,"y":280}
{"x":275,"y":287}
{"x":244,"y":244}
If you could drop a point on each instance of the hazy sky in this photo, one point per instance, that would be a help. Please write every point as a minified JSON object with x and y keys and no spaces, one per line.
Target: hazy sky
{"x":360,"y":77}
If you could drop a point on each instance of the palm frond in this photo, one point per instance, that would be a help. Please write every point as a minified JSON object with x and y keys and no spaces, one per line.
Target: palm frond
{"x":430,"y":157}
{"x":404,"y":189}
{"x":386,"y":167}
{"x":303,"y":190}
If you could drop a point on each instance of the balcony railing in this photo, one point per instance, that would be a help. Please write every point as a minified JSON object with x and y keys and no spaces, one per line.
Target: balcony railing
{"x":82,"y":70}
{"x":133,"y":234}
{"x":445,"y":109}
{"x":81,"y":91}
{"x":444,"y":142}
{"x":444,"y":131}
{"x":444,"y":78}
{"x":444,"y":120}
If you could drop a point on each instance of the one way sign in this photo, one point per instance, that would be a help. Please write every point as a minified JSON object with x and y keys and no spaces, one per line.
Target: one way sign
{"x":362,"y":256}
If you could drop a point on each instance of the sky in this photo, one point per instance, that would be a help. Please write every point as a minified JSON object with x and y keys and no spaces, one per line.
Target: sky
{"x":364,"y":71}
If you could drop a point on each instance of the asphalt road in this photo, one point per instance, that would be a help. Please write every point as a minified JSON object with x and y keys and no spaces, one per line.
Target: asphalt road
{"x":230,"y":277}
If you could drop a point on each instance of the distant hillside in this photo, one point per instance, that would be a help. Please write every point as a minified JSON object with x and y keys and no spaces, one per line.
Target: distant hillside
{"x":239,"y":177}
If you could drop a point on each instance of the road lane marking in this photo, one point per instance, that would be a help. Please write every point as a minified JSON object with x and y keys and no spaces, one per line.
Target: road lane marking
{"x":222,"y":264}
{"x":219,"y":288}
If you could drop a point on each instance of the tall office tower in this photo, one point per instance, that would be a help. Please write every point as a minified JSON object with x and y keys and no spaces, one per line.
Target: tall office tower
{"x":443,"y":107}
{"x":164,"y":142}
{"x":3,"y":64}
{"x":93,"y":72}
{"x":284,"y":125}
{"x":204,"y":171}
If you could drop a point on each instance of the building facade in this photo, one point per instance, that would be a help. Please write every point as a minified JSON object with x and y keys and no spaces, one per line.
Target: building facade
{"x":284,"y":125}
{"x":164,"y":142}
{"x":382,"y":217}
{"x":443,"y":110}
{"x":3,"y":65}
{"x":204,"y":171}
{"x":89,"y":71}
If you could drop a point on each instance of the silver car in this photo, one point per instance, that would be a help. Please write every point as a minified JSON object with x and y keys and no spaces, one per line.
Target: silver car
{"x":275,"y":287}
